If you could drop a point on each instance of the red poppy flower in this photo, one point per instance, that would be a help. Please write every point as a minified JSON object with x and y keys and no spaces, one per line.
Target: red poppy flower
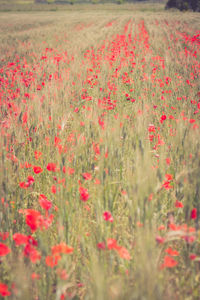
{"x":101,"y":246}
{"x":53,"y":189}
{"x":35,"y":276}
{"x":32,"y":219}
{"x":193,"y":214}
{"x":160,"y":239}
{"x":107,"y":216}
{"x":87,"y":176}
{"x":192,"y":256}
{"x":51,"y":167}
{"x":38,"y":154}
{"x":52,"y":260}
{"x":32,"y":253}
{"x":37,"y":169}
{"x":4,"y":250}
{"x":4,"y":235}
{"x":171,"y":252}
{"x":112,"y":244}
{"x":84,"y":195}
{"x":4,"y":290}
{"x":168,"y":161}
{"x":30,"y":180}
{"x":61,"y":248}
{"x":123,"y":253}
{"x":178,"y":204}
{"x":71,"y":171}
{"x":169,"y":262}
{"x":44,"y":203}
{"x":163,"y":118}
{"x":166,"y":185}
{"x":20,"y":239}
{"x":169,"y":177}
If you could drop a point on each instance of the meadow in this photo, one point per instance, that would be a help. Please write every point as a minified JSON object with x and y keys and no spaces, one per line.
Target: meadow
{"x":100,"y":154}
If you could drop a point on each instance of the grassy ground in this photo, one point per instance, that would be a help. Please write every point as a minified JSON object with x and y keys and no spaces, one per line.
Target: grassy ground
{"x":100,"y":154}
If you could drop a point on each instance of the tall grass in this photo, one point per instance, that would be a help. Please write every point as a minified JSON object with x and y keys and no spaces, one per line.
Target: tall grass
{"x":99,"y":155}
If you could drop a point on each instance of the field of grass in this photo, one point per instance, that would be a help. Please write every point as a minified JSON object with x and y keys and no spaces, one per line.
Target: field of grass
{"x":100,"y":154}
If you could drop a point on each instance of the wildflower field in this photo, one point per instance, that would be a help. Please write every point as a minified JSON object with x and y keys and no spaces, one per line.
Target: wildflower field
{"x":100,"y":155}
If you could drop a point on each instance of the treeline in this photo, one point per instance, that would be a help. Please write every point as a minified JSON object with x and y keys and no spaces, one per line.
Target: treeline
{"x":78,"y":1}
{"x":179,"y":4}
{"x":184,"y":5}
{"x":88,"y":1}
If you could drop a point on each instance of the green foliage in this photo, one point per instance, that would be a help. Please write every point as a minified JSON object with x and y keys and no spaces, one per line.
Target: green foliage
{"x":95,"y":1}
{"x":184,"y":5}
{"x":119,"y":1}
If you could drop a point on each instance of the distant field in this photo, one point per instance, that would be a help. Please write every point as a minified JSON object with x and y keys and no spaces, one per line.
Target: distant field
{"x":100,"y":159}
{"x":26,"y":5}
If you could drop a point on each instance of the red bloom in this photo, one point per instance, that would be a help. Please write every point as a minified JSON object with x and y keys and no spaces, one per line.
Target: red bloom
{"x":112,"y":244}
{"x":4,"y":235}
{"x":51,"y":167}
{"x":87,"y":176}
{"x":23,"y":185}
{"x":84,"y":195}
{"x":30,"y":180}
{"x":96,"y":149}
{"x":97,"y":181}
{"x":161,"y":227}
{"x":123,"y":253}
{"x":71,"y":171}
{"x":171,"y":252}
{"x":193,"y":214}
{"x":160,"y":239}
{"x":107,"y":216}
{"x":166,"y":185}
{"x":35,"y":276}
{"x":192,"y":256}
{"x":61,"y":248}
{"x":38,"y":154}
{"x":44,"y":203}
{"x":53,"y":189}
{"x":169,"y":177}
{"x":163,"y":118}
{"x":32,"y":219}
{"x":4,"y":290}
{"x":20,"y":239}
{"x":4,"y":250}
{"x":178,"y":204}
{"x":37,"y":169}
{"x":169,"y":262}
{"x":101,"y":246}
{"x":25,"y":117}
{"x":32,"y":253}
{"x":52,"y":260}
